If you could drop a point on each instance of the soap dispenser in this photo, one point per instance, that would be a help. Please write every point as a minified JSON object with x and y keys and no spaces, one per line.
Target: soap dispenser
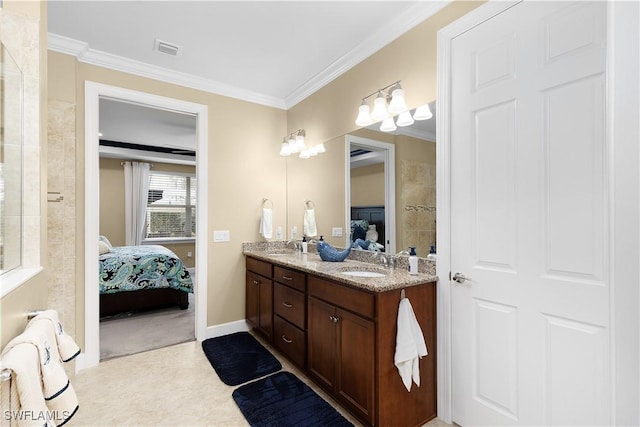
{"x":413,"y":261}
{"x":304,"y":244}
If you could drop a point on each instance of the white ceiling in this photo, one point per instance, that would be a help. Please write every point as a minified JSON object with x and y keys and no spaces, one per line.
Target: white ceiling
{"x":271,"y":52}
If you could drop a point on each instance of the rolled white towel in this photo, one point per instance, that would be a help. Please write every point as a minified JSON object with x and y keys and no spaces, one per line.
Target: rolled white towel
{"x":310,"y":228}
{"x":266,"y":223}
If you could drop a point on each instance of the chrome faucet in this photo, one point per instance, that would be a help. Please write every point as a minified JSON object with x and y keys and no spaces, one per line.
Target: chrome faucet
{"x":297,"y":246}
{"x":387,"y":260}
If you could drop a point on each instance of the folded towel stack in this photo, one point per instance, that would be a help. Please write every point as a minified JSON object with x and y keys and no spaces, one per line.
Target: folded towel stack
{"x":410,"y":345}
{"x":44,"y":394}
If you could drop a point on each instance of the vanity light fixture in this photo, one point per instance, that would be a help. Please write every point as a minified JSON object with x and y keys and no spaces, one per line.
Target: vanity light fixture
{"x":295,"y":143}
{"x":392,"y":94}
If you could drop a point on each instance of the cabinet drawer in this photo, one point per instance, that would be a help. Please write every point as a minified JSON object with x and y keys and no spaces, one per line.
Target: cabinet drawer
{"x":355,"y":300}
{"x":289,"y":304}
{"x":289,"y":340}
{"x":295,"y":279}
{"x":261,"y":267}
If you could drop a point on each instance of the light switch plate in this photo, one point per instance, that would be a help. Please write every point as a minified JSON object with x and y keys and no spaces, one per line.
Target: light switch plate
{"x":336,"y":232}
{"x":221,"y":236}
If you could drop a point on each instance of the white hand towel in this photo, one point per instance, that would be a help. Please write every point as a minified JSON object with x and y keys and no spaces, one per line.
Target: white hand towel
{"x":67,"y":347}
{"x":59,"y":395}
{"x":310,"y":228}
{"x":266,"y":223}
{"x":410,"y":345}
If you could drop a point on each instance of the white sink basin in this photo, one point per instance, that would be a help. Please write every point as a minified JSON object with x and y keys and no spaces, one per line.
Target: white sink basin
{"x":357,"y":273}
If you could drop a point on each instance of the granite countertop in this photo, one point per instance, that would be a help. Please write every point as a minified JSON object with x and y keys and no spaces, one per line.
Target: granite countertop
{"x":393,"y":279}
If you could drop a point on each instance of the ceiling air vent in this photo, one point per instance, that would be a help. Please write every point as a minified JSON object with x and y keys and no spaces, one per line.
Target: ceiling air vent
{"x":168,"y":48}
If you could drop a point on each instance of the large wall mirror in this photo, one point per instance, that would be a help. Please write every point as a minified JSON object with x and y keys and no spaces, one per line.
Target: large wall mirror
{"x":324,"y":180}
{"x":11,"y":163}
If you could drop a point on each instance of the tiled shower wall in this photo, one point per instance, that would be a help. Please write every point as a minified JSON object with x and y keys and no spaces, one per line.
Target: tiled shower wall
{"x":418,"y":204}
{"x":61,"y":218}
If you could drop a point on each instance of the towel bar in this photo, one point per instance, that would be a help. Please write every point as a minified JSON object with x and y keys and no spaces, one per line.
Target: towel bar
{"x":265,"y":201}
{"x":33,"y":313}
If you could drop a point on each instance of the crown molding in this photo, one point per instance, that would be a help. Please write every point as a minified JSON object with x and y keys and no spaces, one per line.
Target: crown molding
{"x":84,"y":53}
{"x":393,"y":29}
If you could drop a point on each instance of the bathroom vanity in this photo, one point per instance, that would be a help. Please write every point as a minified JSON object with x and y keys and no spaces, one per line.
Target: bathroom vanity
{"x":337,"y":321}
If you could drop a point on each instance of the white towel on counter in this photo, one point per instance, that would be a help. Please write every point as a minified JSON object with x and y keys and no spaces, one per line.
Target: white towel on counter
{"x":410,"y":345}
{"x":266,"y":223}
{"x":310,"y":228}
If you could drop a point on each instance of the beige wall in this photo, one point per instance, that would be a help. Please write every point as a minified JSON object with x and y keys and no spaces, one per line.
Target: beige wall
{"x":25,"y":33}
{"x":112,"y":205}
{"x":243,"y":166}
{"x":330,"y":113}
{"x":367,"y":185}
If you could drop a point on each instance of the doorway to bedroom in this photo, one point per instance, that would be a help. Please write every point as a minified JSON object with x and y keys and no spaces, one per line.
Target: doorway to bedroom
{"x":148,"y":201}
{"x":144,"y":210}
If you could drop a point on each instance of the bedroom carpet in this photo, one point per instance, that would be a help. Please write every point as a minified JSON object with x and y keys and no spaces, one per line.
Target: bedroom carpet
{"x":283,"y":400}
{"x":239,"y":357}
{"x":123,"y":335}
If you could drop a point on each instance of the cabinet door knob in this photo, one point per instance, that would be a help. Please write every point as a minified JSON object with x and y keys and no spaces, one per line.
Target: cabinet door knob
{"x":286,"y":304}
{"x":256,"y":282}
{"x":288,"y":341}
{"x":334,"y":319}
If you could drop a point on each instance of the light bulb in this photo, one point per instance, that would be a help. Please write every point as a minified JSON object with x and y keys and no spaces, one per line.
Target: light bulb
{"x":364,"y":118}
{"x":423,"y":112}
{"x":304,"y":154}
{"x":313,"y":151}
{"x":300,"y":145}
{"x":405,"y":119}
{"x":397,"y":104}
{"x":379,"y":108}
{"x":284,"y":149}
{"x":320,"y":148}
{"x":388,"y":125}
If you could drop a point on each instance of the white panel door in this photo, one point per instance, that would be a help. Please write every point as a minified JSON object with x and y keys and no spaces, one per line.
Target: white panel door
{"x":529,"y":218}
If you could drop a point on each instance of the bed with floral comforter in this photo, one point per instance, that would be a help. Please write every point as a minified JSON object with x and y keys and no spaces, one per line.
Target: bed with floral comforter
{"x":140,"y":278}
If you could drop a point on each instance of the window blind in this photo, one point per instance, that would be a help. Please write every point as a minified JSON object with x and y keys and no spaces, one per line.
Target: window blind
{"x":171,"y":205}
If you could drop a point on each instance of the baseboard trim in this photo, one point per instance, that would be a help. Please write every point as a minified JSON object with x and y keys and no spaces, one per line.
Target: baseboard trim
{"x":226,"y":328}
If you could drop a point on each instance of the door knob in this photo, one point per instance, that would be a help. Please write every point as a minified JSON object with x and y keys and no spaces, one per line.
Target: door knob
{"x":460,"y":278}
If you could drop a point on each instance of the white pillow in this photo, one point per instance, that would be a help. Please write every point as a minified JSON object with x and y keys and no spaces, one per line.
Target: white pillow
{"x":106,"y":241}
{"x":103,"y":248}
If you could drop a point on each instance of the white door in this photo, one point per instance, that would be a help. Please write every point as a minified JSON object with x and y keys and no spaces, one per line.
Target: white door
{"x":529,"y":218}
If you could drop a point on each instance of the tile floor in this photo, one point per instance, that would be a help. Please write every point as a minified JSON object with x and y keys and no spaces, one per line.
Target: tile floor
{"x":171,"y":386}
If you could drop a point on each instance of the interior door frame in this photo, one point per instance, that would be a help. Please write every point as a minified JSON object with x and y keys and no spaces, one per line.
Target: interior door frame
{"x":389,"y":157}
{"x":93,"y":92}
{"x":622,"y":103}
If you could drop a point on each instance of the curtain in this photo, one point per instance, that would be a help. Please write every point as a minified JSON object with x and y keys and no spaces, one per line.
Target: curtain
{"x":136,"y":190}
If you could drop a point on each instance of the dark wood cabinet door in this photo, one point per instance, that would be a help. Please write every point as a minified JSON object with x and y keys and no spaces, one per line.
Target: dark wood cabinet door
{"x":252,"y":296}
{"x":266,"y":308}
{"x":321,"y":341}
{"x":355,"y":370}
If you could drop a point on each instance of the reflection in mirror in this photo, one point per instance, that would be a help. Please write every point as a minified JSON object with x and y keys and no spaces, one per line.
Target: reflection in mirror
{"x":415,"y":182}
{"x":10,"y":163}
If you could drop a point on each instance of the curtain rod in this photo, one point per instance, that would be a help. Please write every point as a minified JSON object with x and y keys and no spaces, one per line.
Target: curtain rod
{"x":122,"y":164}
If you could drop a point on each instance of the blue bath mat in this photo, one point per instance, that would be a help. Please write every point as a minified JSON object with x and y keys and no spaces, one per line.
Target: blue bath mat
{"x":283,"y":400}
{"x":238,"y":358}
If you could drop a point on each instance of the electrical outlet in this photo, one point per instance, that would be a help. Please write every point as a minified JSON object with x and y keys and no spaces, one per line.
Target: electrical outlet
{"x":189,"y":254}
{"x":221,"y":236}
{"x":336,"y":232}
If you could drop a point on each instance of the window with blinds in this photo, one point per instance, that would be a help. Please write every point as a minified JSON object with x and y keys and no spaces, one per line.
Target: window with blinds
{"x":171,"y":206}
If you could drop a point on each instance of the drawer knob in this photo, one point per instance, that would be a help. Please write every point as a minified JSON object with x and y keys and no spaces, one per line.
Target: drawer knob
{"x":286,"y":304}
{"x":287,"y":278}
{"x":256,"y":282}
{"x":334,"y":319}
{"x":285,"y":339}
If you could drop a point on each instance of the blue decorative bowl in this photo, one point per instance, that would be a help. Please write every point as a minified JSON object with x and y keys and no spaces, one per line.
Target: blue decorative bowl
{"x":329,"y":253}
